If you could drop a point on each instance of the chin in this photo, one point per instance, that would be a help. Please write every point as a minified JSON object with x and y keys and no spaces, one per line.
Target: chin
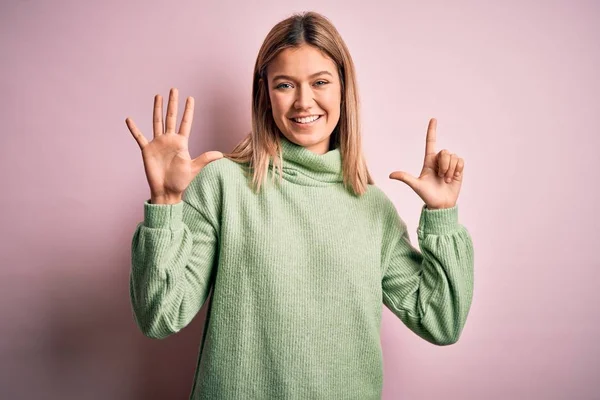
{"x":307,"y":139}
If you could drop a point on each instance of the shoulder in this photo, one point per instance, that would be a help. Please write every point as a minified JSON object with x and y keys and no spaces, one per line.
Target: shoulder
{"x":215,"y":177}
{"x":218,"y":171}
{"x":379,"y":198}
{"x":219,"y":168}
{"x":387,"y":211}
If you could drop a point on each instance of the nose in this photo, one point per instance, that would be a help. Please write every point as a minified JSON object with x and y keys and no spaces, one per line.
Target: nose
{"x":304,"y":97}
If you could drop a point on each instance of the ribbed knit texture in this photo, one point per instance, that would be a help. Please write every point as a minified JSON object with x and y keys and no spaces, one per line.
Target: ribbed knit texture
{"x":299,"y":273}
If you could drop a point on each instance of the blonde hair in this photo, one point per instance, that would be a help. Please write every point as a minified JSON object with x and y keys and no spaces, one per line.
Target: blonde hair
{"x":263,"y":142}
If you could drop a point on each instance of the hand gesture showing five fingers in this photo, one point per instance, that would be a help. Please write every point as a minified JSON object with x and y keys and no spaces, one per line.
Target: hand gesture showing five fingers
{"x":441,"y":177}
{"x":167,"y":162}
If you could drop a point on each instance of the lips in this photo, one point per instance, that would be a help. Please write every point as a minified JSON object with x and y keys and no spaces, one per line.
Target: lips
{"x":307,"y":119}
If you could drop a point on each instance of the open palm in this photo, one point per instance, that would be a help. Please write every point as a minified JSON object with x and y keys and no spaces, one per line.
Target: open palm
{"x":167,"y":162}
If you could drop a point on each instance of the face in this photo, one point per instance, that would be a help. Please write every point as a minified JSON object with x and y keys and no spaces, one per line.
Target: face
{"x":303,"y":85}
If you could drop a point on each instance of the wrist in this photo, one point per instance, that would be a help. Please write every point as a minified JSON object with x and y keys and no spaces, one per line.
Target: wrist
{"x":166,"y":199}
{"x":438,"y":208}
{"x":438,"y":222}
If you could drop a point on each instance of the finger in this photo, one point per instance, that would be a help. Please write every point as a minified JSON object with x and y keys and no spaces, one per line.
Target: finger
{"x":137,"y":134}
{"x":459,"y":168}
{"x":188,"y":116}
{"x":157,"y":121}
{"x":406,"y":178}
{"x":443,"y":162}
{"x":452,"y":168}
{"x":431,"y":138}
{"x":171,"y":119}
{"x":202,"y":160}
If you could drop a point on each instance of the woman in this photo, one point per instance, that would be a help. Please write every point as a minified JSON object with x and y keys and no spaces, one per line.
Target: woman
{"x":298,"y":266}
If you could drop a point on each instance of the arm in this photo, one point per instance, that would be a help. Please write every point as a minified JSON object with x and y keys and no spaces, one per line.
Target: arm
{"x":173,"y":252}
{"x":431,"y":292}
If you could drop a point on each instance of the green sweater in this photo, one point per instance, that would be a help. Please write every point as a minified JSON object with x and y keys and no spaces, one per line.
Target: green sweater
{"x":298,"y":275}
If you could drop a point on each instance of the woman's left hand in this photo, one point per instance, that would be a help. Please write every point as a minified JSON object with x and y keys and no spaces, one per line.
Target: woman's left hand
{"x":441,"y":177}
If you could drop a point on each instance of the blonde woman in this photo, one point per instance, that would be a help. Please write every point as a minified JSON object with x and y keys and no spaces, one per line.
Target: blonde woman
{"x":299,"y":263}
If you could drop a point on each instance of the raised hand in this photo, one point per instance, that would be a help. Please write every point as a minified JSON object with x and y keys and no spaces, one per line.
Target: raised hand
{"x":441,"y":177}
{"x":167,"y":162}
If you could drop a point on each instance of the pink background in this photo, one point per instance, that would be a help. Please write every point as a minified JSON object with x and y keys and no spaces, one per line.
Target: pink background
{"x":514,"y":86}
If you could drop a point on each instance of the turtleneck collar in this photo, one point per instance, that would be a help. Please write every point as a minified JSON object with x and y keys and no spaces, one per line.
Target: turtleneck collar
{"x":303,"y":167}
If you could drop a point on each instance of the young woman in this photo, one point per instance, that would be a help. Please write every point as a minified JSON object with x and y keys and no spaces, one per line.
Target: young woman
{"x":299,"y":266}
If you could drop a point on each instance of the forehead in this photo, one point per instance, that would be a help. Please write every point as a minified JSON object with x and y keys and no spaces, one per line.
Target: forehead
{"x":301,"y":62}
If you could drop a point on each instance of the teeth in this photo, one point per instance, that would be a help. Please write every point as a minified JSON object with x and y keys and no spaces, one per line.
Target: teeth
{"x":306,"y":119}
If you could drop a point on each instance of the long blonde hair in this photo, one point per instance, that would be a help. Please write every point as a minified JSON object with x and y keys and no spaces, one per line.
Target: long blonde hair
{"x":262,"y":143}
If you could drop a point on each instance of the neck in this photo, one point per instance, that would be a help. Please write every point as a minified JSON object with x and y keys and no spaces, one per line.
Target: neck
{"x":321,"y":147}
{"x":303,"y":166}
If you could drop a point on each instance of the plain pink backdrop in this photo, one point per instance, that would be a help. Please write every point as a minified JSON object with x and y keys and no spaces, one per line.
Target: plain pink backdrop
{"x":514,"y":86}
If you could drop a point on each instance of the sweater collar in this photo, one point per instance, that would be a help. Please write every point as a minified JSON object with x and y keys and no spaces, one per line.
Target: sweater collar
{"x":302,"y":166}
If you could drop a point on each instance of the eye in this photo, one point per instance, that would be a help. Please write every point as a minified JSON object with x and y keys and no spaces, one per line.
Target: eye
{"x":281,"y":85}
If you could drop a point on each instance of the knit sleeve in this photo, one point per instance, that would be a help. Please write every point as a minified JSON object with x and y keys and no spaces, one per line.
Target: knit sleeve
{"x":173,"y":254}
{"x":431,"y":292}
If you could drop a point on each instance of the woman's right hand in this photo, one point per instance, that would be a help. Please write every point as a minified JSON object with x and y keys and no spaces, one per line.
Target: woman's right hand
{"x":167,"y":162}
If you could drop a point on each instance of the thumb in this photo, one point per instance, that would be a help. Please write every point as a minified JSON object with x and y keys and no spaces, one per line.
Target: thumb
{"x":205,"y":158}
{"x":405,"y":177}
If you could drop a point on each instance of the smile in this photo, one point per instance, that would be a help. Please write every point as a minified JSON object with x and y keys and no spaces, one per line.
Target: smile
{"x":306,"y":121}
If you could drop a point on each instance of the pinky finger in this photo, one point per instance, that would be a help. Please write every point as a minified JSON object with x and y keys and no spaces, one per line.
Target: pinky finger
{"x":460,"y":166}
{"x":137,"y":135}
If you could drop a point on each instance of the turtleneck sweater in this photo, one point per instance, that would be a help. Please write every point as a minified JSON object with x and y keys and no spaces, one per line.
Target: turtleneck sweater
{"x":297,"y":275}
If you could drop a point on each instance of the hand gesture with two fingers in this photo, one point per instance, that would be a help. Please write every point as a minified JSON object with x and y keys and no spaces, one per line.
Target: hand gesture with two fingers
{"x":441,"y":177}
{"x":167,"y":162}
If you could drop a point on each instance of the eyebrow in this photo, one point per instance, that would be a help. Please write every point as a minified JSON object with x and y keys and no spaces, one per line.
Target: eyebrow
{"x":312,"y":76}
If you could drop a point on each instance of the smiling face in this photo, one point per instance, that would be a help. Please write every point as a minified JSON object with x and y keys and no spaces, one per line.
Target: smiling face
{"x":303,"y":85}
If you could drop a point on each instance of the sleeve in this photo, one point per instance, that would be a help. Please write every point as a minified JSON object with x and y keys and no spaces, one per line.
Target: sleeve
{"x":173,"y":254}
{"x":431,"y":292}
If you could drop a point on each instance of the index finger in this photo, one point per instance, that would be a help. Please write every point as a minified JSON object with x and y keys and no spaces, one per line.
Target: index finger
{"x":188,"y":117}
{"x":157,"y":121}
{"x":431,"y":138}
